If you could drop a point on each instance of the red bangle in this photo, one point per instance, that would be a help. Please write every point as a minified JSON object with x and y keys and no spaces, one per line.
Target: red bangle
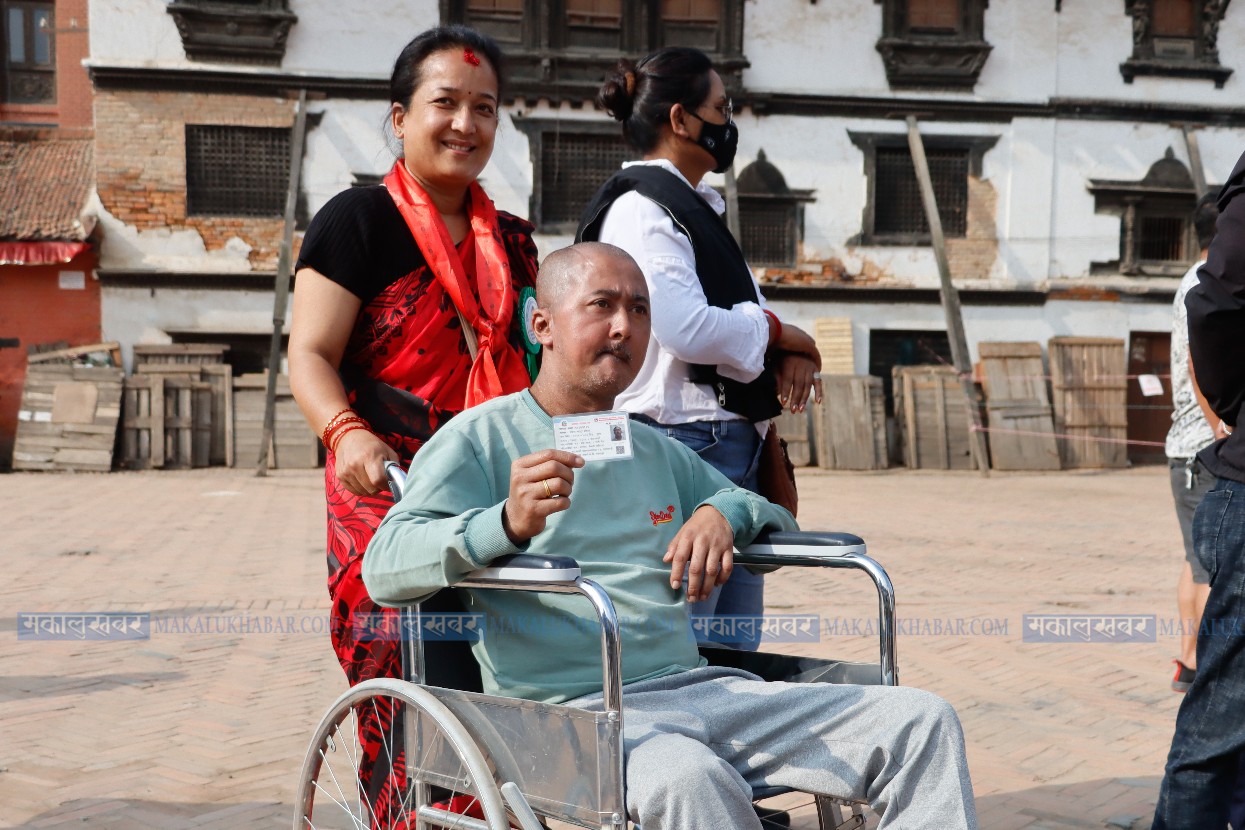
{"x":339,"y":426}
{"x":332,"y":422}
{"x":337,"y":438}
{"x":777,"y":323}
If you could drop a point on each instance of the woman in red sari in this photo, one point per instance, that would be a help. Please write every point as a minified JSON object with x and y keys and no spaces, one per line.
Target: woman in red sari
{"x":405,"y":313}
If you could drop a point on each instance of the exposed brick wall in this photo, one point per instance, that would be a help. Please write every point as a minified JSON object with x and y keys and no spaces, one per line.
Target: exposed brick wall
{"x":140,"y":161}
{"x":972,"y":257}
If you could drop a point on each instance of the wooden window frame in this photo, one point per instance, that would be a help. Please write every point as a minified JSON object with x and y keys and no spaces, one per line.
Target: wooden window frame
{"x":1200,"y":58}
{"x":207,"y":201}
{"x":233,"y":31}
{"x":538,"y":132}
{"x":1167,"y":190}
{"x":975,"y":146}
{"x":543,"y":64}
{"x":933,"y":59}
{"x":43,"y":76}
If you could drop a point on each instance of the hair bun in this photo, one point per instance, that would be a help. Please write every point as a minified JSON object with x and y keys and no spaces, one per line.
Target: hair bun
{"x":617,"y":94}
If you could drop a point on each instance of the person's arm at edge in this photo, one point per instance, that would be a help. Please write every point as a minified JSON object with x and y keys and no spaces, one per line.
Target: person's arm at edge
{"x":1216,"y":425}
{"x":447,"y":525}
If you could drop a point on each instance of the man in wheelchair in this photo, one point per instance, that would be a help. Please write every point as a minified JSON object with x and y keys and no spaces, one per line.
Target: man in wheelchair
{"x":697,"y":738}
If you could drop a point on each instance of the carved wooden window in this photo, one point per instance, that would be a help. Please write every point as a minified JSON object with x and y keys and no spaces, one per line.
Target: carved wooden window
{"x":29,"y":68}
{"x":936,"y":44}
{"x":236,"y":171}
{"x":234,"y":31}
{"x":1157,"y":237}
{"x":894,"y":213}
{"x":771,"y":215}
{"x":560,"y":49}
{"x":572,"y":168}
{"x":1176,"y":38}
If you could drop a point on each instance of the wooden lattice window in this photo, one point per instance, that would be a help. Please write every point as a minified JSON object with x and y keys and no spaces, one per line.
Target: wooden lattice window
{"x":29,"y":53}
{"x":572,"y":167}
{"x":593,"y":24}
{"x":769,"y":231}
{"x":236,"y":171}
{"x":1176,"y":38}
{"x":933,"y":15}
{"x":691,"y":23}
{"x":1163,"y":238}
{"x":898,"y":209}
{"x":500,"y":19}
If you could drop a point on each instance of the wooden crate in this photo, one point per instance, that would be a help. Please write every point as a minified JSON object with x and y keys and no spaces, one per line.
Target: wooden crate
{"x":145,"y":353}
{"x":187,"y":423}
{"x":1022,"y":428}
{"x":142,"y":430}
{"x":796,"y":430}
{"x":834,"y":340}
{"x":851,"y":423}
{"x":219,"y":376}
{"x":933,"y":417}
{"x":296,"y":446}
{"x":68,"y":418}
{"x":1090,"y":390}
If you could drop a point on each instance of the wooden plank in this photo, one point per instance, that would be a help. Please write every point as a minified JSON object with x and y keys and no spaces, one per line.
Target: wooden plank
{"x":61,"y":423}
{"x":851,"y":426}
{"x":1017,"y":406}
{"x":1090,"y":396}
{"x":794,"y":428}
{"x":833,"y":336}
{"x":112,"y":349}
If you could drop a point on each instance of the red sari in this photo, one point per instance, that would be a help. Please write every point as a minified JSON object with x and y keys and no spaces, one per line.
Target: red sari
{"x":407,"y":370}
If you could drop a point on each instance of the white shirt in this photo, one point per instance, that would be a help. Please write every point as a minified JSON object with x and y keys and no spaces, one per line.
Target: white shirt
{"x":686,"y":329}
{"x":1189,"y":432}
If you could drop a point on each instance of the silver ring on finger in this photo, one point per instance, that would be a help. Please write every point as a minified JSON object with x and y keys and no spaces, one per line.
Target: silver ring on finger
{"x":816,"y":375}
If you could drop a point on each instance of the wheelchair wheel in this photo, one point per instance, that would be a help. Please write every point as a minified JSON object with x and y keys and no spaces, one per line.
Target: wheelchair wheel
{"x":435,"y":775}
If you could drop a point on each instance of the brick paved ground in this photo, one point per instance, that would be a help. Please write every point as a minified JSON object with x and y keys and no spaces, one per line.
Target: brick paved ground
{"x":206,"y":730}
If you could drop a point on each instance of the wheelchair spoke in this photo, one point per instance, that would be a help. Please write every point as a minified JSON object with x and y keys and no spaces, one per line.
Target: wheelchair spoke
{"x":402,"y":816}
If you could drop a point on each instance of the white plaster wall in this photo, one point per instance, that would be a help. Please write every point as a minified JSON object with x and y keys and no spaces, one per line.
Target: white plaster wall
{"x":985,"y":323}
{"x":147,"y":315}
{"x":329,"y":38}
{"x":1096,"y":37}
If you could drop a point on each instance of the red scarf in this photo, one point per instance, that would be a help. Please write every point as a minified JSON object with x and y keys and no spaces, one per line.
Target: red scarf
{"x":497,"y":369}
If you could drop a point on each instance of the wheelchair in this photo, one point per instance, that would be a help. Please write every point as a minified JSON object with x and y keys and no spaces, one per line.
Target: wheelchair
{"x":481,"y":762}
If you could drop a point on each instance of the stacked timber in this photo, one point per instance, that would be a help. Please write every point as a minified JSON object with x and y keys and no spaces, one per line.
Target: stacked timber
{"x":1021,"y":425}
{"x":933,"y":418}
{"x":1090,"y":387}
{"x":294,"y":445}
{"x":69,"y":411}
{"x":834,"y":340}
{"x":851,"y":423}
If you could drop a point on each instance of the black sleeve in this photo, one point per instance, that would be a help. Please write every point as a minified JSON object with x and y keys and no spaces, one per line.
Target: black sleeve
{"x":1216,"y":307}
{"x":360,"y":241}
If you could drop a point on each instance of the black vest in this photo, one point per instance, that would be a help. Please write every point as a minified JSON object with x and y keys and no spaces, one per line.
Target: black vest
{"x":720,"y":266}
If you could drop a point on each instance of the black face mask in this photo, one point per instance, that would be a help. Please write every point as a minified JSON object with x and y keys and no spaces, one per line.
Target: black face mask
{"x":720,"y":140}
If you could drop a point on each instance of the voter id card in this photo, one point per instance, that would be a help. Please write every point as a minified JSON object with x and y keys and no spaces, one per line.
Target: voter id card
{"x":594,"y":436}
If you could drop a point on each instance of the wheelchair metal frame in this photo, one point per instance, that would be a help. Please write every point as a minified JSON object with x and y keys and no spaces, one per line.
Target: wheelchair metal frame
{"x":587,"y":788}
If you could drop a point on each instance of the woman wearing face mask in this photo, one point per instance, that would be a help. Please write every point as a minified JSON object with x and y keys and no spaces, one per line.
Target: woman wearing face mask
{"x":719,"y":364}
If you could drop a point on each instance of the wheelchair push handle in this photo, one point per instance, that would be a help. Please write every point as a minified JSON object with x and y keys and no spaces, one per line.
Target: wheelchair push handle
{"x":397,"y":479}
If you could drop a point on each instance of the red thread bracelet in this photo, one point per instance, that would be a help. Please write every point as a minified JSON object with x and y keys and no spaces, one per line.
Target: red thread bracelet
{"x":337,"y":439}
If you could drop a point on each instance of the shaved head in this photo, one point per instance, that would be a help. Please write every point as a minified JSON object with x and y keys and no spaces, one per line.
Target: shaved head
{"x":561,"y":270}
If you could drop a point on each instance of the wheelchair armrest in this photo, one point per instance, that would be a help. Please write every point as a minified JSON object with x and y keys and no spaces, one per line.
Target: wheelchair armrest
{"x":527,"y":567}
{"x":799,"y":548}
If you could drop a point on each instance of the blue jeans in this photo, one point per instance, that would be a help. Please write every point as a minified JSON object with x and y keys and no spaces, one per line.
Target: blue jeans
{"x":733,"y":448}
{"x":1202,"y":767}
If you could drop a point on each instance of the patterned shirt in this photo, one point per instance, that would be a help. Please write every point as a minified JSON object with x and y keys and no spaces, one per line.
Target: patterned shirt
{"x":1189,"y":431}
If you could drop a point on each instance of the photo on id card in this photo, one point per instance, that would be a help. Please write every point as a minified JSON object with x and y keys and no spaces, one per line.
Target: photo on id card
{"x":594,"y":436}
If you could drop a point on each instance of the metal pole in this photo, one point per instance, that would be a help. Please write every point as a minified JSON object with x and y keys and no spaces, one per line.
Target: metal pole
{"x":950,"y":297}
{"x":282,"y":292}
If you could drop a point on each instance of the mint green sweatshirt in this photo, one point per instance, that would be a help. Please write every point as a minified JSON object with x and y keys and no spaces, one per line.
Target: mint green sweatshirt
{"x":545,"y":646}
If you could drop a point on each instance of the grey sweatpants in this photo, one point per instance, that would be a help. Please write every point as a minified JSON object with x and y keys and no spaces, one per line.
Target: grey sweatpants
{"x":696,"y":743}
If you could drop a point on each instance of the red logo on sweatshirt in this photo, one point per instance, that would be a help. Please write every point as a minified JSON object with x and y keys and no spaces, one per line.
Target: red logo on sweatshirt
{"x":662,"y":516}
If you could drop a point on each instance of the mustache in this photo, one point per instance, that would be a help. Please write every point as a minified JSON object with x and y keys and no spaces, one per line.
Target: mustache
{"x":619,"y":350}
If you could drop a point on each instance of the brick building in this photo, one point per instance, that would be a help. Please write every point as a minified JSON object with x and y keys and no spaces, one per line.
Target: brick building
{"x":49,"y":292}
{"x":1063,"y":141}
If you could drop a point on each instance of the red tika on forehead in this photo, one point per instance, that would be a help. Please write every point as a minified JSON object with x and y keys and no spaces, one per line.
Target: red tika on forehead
{"x":470,"y":57}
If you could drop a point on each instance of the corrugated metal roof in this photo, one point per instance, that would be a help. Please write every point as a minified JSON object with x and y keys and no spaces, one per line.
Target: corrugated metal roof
{"x":44,"y":185}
